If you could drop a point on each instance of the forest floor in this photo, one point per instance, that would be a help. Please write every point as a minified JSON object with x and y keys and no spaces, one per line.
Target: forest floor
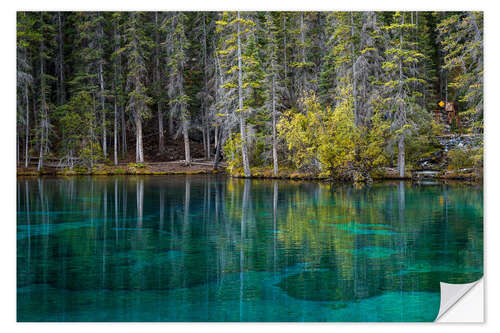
{"x":172,"y":162}
{"x":198,"y":166}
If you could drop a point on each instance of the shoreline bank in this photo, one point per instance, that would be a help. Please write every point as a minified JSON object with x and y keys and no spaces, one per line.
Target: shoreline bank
{"x":473,"y":176}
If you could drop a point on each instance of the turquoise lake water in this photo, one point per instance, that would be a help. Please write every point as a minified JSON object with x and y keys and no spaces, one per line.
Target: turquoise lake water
{"x":207,"y":248}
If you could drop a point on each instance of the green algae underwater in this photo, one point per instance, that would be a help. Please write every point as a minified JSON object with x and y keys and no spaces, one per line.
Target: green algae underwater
{"x":212,"y":248}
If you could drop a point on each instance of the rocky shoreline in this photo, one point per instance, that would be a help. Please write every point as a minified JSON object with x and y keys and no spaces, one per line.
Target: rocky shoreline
{"x":468,"y":175}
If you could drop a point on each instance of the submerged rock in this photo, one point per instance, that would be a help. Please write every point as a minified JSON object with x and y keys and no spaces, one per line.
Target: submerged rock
{"x":331,"y":286}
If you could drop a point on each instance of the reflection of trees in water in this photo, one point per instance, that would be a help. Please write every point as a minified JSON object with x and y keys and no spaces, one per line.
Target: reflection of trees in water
{"x":222,"y":226}
{"x":275,"y":225}
{"x":244,"y":218}
{"x":116,"y":208}
{"x":140,"y":201}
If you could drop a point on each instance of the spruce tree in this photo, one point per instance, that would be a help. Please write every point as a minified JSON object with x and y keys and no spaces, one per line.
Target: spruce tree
{"x":399,"y":65}
{"x":137,"y":48}
{"x":274,"y":83}
{"x":26,"y":39}
{"x":236,"y":31}
{"x":461,"y":36}
{"x":45,"y":54}
{"x":179,"y":100}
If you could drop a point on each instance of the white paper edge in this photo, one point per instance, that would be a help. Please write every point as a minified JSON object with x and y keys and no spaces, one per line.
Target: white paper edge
{"x":462,"y":303}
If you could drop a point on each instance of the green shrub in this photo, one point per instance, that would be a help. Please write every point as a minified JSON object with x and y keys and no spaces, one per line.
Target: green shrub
{"x":108,"y":162}
{"x":465,"y":158}
{"x":136,"y":165}
{"x":326,"y":141}
{"x":232,"y":153}
{"x":81,"y":169}
{"x":477,"y":157}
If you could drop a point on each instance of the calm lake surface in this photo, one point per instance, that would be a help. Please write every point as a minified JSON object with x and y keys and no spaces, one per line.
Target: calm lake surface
{"x":207,"y":248}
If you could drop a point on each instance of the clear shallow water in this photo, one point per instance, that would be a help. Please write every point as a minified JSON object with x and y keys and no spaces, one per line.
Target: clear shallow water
{"x":203,"y":248}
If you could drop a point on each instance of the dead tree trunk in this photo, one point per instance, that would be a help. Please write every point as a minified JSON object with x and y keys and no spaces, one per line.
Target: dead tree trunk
{"x":244,"y":150}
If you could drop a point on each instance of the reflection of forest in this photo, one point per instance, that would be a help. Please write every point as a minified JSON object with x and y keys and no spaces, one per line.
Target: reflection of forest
{"x":321,"y":241}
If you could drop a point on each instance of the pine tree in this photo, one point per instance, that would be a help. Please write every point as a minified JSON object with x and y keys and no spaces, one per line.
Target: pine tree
{"x":179,"y":100}
{"x":100,"y":40}
{"x":368,"y":74}
{"x":117,"y":86}
{"x":343,"y":51}
{"x":274,"y":83}
{"x":461,"y":36}
{"x":45,"y":54}
{"x":137,"y":48}
{"x":401,"y":59}
{"x":203,"y":74}
{"x":158,"y":78}
{"x":59,"y":19}
{"x":301,"y":65}
{"x":77,"y":120}
{"x":236,"y":31}
{"x":90,"y":58}
{"x":424,"y":41}
{"x":26,"y":38}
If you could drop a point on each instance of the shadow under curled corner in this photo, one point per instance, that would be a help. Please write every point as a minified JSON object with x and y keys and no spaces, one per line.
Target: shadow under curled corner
{"x":458,"y":299}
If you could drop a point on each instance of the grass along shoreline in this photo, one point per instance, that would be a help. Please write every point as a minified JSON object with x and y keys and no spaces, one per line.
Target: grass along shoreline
{"x":175,"y":168}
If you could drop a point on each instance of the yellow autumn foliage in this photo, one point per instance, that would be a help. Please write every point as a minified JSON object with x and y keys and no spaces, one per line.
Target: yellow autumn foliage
{"x":328,"y":141}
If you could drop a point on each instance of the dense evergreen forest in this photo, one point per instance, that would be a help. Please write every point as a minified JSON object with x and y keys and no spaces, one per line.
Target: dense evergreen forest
{"x":340,"y":94}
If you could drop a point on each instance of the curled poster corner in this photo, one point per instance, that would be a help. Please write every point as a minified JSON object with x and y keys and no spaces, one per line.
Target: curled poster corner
{"x":455,"y":302}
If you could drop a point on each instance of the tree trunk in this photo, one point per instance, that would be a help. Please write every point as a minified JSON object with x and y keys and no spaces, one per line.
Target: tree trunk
{"x":103,"y":111}
{"x":60,"y":62}
{"x":354,"y":87}
{"x":92,"y":136}
{"x":204,"y":139}
{"x":218,"y":144}
{"x":123,"y":127}
{"x":216,"y":136}
{"x":115,"y":135}
{"x":208,"y":141}
{"x":124,"y":131}
{"x":187,"y":150}
{"x":43,"y":114}
{"x":402,"y":116}
{"x":205,"y":87}
{"x":275,"y":144}
{"x":115,"y":92}
{"x":161,"y":135}
{"x":139,"y":146}
{"x":244,"y":151}
{"x":401,"y":155}
{"x":100,"y":37}
{"x":171,"y":122}
{"x":26,"y":143}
